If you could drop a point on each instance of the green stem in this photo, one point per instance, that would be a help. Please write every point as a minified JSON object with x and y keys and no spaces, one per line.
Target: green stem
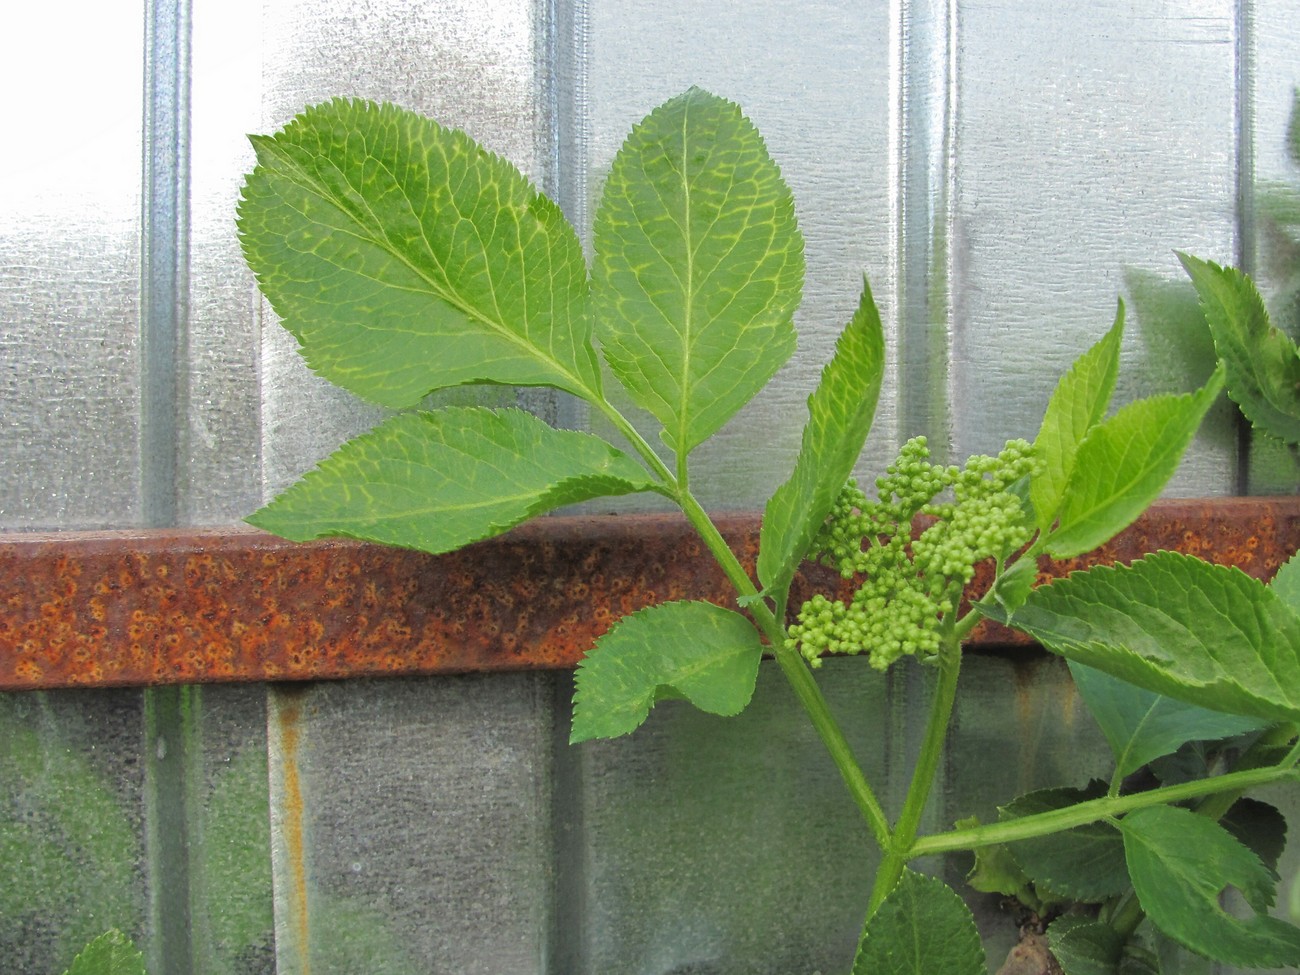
{"x":1041,"y":824}
{"x":795,"y":669}
{"x":1129,"y":914}
{"x":923,"y":774}
{"x":638,"y":442}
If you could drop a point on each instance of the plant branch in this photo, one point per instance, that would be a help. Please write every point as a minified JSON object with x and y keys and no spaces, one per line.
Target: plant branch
{"x":1092,"y":810}
{"x":923,"y":773}
{"x":796,"y":672}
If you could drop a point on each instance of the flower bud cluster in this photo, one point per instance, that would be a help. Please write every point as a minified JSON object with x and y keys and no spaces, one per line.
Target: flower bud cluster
{"x":908,"y":586}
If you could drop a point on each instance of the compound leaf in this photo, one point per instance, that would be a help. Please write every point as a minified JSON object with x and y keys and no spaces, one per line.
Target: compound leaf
{"x":1077,"y":405}
{"x":112,"y":953}
{"x":1141,"y":725}
{"x":840,"y":412}
{"x":1261,"y":361}
{"x":437,"y":481}
{"x":698,"y":267}
{"x":1205,"y":634}
{"x":696,"y":650}
{"x":1180,"y":864}
{"x":405,"y":258}
{"x":1123,"y":464}
{"x":921,"y":928}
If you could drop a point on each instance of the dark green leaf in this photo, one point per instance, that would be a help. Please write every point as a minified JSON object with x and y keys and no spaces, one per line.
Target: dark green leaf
{"x":704,"y":653}
{"x":1085,"y":947}
{"x":921,"y":928}
{"x":1180,"y":864}
{"x":405,"y":258}
{"x":1077,"y":405}
{"x":1263,"y":364}
{"x":1123,"y":464}
{"x":437,"y":481}
{"x":112,"y":953}
{"x":840,"y":412}
{"x":1141,"y":725}
{"x":1258,"y":826}
{"x":1085,"y":863}
{"x":698,"y":268}
{"x":1205,"y":634}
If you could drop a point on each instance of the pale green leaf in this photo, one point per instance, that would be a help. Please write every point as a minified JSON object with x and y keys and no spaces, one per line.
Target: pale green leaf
{"x":840,"y":412}
{"x":112,"y":953}
{"x":405,"y":258}
{"x":1085,"y":947}
{"x":695,"y":650}
{"x":1141,"y":725}
{"x":1181,"y":863}
{"x":921,"y":928}
{"x":437,"y":481}
{"x":1077,"y":405}
{"x":1123,"y":464}
{"x":1085,"y":863}
{"x":1205,"y":634}
{"x":1261,"y":361}
{"x":698,"y":267}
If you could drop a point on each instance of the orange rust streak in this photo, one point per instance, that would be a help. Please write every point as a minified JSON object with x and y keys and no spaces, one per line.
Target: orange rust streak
{"x":293,"y":809}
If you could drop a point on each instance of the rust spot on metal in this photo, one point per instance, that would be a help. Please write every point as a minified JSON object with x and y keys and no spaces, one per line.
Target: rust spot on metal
{"x":145,"y":608}
{"x":292,"y":809}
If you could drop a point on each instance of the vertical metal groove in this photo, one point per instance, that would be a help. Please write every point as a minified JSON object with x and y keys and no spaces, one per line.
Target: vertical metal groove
{"x":171,"y":732}
{"x":564,"y":83}
{"x":170,"y":713}
{"x":1246,"y":257}
{"x":924,"y":137}
{"x":165,"y":254}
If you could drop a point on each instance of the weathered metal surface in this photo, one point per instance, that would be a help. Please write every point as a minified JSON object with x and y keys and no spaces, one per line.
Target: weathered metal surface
{"x":130,"y":608}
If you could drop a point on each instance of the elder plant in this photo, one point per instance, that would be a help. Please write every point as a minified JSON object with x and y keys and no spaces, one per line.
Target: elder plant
{"x":405,"y":259}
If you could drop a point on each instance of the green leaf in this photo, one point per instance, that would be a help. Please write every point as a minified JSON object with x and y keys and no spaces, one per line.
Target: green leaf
{"x":698,"y":267}
{"x":1010,"y":589}
{"x":840,"y":412}
{"x":1141,"y":725}
{"x":1286,"y":583}
{"x":1077,"y":405}
{"x":406,"y":258}
{"x":996,"y":872}
{"x":704,"y":653}
{"x":1123,"y":464}
{"x":1180,"y":864}
{"x":1085,"y":863}
{"x":112,"y":953}
{"x":1259,"y":827}
{"x":437,"y":481}
{"x":1205,"y":634}
{"x":1261,"y":361}
{"x":1085,"y":947}
{"x":921,"y":928}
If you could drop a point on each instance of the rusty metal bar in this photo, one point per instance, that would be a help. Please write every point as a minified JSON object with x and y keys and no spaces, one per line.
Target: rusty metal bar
{"x":171,"y":607}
